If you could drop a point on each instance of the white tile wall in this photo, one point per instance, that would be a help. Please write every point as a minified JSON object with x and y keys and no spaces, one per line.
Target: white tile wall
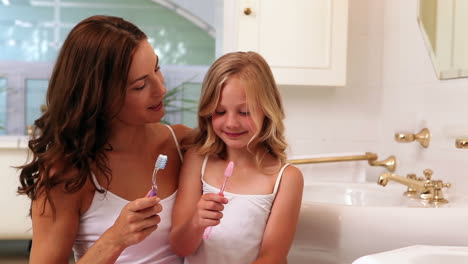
{"x":391,"y":87}
{"x":14,"y":221}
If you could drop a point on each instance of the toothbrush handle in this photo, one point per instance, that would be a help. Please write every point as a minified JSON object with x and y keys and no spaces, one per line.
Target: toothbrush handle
{"x":207,"y":232}
{"x":152,"y":193}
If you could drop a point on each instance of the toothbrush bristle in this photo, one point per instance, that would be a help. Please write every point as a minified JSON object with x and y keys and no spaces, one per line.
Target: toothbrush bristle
{"x":161,"y":161}
{"x":229,"y":169}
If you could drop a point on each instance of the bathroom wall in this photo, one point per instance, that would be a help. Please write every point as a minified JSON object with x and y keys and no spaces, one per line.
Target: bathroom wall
{"x":391,"y":87}
{"x":14,"y":220}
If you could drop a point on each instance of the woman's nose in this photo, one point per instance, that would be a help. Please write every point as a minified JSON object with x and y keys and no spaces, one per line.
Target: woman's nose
{"x":162,"y":89}
{"x":159,"y":89}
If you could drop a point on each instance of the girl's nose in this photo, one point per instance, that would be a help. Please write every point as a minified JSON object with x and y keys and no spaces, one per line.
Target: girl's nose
{"x":232,"y":120}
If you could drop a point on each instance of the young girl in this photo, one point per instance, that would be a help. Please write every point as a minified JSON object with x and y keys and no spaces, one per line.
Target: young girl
{"x":240,"y":120}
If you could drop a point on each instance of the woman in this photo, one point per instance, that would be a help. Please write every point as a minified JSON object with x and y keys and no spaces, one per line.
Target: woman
{"x":94,"y":151}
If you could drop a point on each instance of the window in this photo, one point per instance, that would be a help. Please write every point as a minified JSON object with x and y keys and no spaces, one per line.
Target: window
{"x":3,"y":105}
{"x":35,"y":97}
{"x":32,"y":32}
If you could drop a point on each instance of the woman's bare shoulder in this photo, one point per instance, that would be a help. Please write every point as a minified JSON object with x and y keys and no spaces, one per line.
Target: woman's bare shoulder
{"x":63,"y":196}
{"x":192,"y":153}
{"x":183,"y":133}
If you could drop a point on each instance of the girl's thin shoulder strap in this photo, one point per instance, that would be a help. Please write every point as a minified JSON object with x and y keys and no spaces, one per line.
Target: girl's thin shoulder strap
{"x":176,"y":142}
{"x":205,"y":160}
{"x":278,"y":179}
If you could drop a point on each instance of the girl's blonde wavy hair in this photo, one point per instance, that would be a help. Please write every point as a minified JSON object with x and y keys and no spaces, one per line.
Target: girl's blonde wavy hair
{"x":262,"y":97}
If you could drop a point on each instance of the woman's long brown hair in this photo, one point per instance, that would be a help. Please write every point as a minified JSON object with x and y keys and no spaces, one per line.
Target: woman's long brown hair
{"x":86,"y":91}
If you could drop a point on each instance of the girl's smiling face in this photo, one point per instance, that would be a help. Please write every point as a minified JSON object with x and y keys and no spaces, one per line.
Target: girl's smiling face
{"x":232,"y":121}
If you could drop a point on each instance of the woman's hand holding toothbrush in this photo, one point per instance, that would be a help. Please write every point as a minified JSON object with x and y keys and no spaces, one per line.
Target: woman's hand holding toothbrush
{"x":137,"y":220}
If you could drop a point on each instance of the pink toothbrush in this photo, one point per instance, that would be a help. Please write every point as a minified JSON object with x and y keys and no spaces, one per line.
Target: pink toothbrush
{"x":227,"y":175}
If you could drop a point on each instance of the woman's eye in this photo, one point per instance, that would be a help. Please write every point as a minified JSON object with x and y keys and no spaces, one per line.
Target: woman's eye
{"x":219,"y":112}
{"x":140,"y":87}
{"x":245,"y":113}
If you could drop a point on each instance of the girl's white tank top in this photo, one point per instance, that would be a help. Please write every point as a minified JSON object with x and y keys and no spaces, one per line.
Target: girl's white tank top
{"x":237,"y":239}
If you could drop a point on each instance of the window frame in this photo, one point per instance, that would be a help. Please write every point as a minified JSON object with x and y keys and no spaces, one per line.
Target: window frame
{"x":18,"y":72}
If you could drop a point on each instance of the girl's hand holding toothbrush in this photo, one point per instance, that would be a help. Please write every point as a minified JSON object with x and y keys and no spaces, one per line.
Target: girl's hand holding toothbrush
{"x":209,"y":210}
{"x":227,"y":175}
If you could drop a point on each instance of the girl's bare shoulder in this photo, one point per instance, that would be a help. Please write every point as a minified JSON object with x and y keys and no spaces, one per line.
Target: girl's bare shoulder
{"x":293,"y":175}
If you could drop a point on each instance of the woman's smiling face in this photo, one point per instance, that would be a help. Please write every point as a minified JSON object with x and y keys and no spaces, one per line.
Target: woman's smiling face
{"x":145,"y":89}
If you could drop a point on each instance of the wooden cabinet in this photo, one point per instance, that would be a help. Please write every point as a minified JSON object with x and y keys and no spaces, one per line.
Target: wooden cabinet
{"x":304,"y":41}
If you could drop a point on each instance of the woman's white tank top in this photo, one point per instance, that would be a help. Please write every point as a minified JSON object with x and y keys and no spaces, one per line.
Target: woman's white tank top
{"x":237,"y":239}
{"x":104,"y":210}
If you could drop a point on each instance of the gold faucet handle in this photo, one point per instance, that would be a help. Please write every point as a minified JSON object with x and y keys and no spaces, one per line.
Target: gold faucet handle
{"x":445,"y":185}
{"x":404,"y":137}
{"x":428,"y":174}
{"x":390,"y":163}
{"x":461,"y":143}
{"x":437,"y":196}
{"x":423,"y":137}
{"x":437,"y":185}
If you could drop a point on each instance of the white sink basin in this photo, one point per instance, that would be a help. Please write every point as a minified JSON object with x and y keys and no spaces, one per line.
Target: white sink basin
{"x":340,"y":222}
{"x":419,"y":254}
{"x":355,"y":194}
{"x":371,"y":194}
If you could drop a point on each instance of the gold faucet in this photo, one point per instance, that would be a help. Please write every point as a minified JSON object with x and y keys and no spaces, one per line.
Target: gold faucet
{"x":411,"y":192}
{"x":424,"y":188}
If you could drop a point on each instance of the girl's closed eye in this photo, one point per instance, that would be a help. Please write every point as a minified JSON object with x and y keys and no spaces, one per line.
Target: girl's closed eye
{"x":246,"y":113}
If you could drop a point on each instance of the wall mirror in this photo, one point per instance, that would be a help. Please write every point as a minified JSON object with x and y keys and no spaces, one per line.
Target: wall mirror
{"x":444,"y":26}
